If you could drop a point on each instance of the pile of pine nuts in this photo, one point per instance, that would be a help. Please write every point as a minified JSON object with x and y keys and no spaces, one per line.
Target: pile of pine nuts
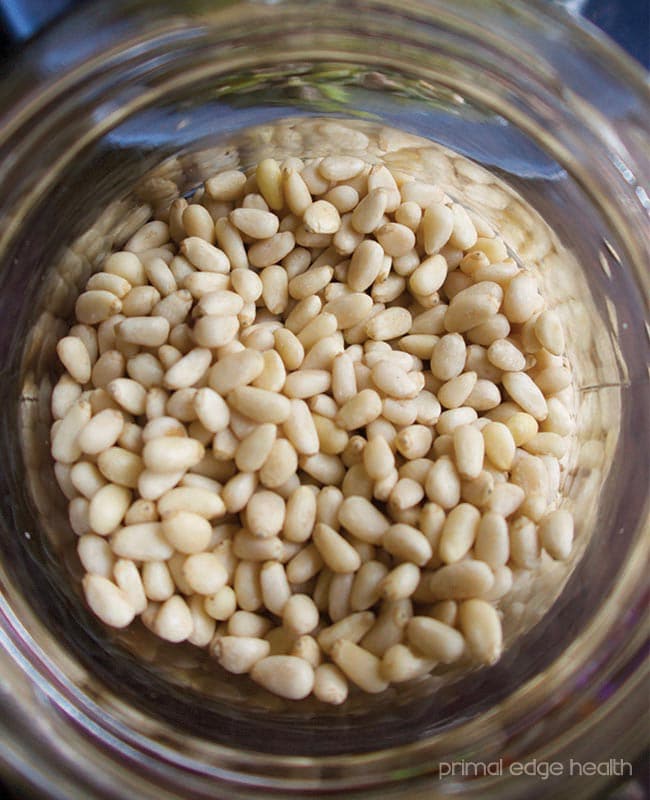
{"x":315,"y":420}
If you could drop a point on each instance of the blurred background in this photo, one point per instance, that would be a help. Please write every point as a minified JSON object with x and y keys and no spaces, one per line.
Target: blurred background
{"x":626,"y":21}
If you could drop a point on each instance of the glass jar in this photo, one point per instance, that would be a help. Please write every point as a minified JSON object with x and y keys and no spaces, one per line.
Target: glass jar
{"x":125,"y":105}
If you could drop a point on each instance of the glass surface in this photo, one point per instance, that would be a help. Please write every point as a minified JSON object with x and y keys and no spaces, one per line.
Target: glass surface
{"x":104,"y":129}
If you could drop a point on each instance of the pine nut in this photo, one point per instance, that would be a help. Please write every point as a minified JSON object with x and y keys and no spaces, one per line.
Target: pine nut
{"x":85,"y":479}
{"x":101,"y":432}
{"x":468,"y":451}
{"x":399,"y":664}
{"x":186,"y":498}
{"x":143,"y":542}
{"x":330,"y":685}
{"x":556,"y":534}
{"x":265,"y":514}
{"x":481,"y":627}
{"x":360,"y":410}
{"x":400,"y":582}
{"x":461,"y":580}
{"x":128,"y":394}
{"x":300,"y":615}
{"x":65,"y":447}
{"x":548,"y":330}
{"x":96,"y":306}
{"x":458,"y":533}
{"x":107,"y":601}
{"x":75,"y":358}
{"x":522,"y":427}
{"x":335,"y":551}
{"x":108,"y":507}
{"x":553,"y":379}
{"x":367,"y":216}
{"x":222,"y":605}
{"x":437,"y":226}
{"x":435,"y":640}
{"x":526,"y":393}
{"x":127,"y":266}
{"x":239,"y":654}
{"x":407,"y":544}
{"x":504,"y":355}
{"x":365,"y":265}
{"x":363,"y":520}
{"x":286,"y":676}
{"x":521,"y":300}
{"x":389,"y":324}
{"x":360,"y":666}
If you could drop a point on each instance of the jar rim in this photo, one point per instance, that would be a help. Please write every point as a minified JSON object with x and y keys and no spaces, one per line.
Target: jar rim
{"x":43,"y":95}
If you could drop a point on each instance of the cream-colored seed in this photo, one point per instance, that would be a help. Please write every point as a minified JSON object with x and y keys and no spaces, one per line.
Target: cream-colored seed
{"x":96,"y":555}
{"x":436,"y":227}
{"x":128,"y":394}
{"x":389,"y":324}
{"x":108,"y":601}
{"x":237,"y":369}
{"x":400,"y":582}
{"x":399,"y":664}
{"x":286,"y":676}
{"x":84,"y":478}
{"x":378,"y":458}
{"x":108,"y":507}
{"x":481,"y":627}
{"x":367,"y":216}
{"x":521,"y":299}
{"x":265,"y":514}
{"x":492,"y":541}
{"x":464,"y":579}
{"x":524,"y":391}
{"x":499,"y":445}
{"x":363,"y":520}
{"x":101,"y":432}
{"x":221,"y":605}
{"x":458,"y":533}
{"x":322,"y":217}
{"x":239,"y":654}
{"x":300,"y":515}
{"x":330,"y":685}
{"x":407,"y":543}
{"x":360,"y":410}
{"x":349,"y":309}
{"x":522,"y":427}
{"x":435,"y":640}
{"x":75,"y":358}
{"x":556,"y":534}
{"x":506,"y":356}
{"x":204,"y":573}
{"x":335,"y":551}
{"x":246,"y":623}
{"x":96,"y":306}
{"x":365,"y":265}
{"x":359,"y":665}
{"x":468,"y":451}
{"x":549,"y":332}
{"x":395,"y":239}
{"x":65,"y":446}
{"x":300,"y":615}
{"x":172,"y":453}
{"x":260,"y":405}
{"x":280,"y":464}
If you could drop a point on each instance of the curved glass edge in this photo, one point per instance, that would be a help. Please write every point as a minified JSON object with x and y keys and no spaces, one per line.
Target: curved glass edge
{"x":134,"y":4}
